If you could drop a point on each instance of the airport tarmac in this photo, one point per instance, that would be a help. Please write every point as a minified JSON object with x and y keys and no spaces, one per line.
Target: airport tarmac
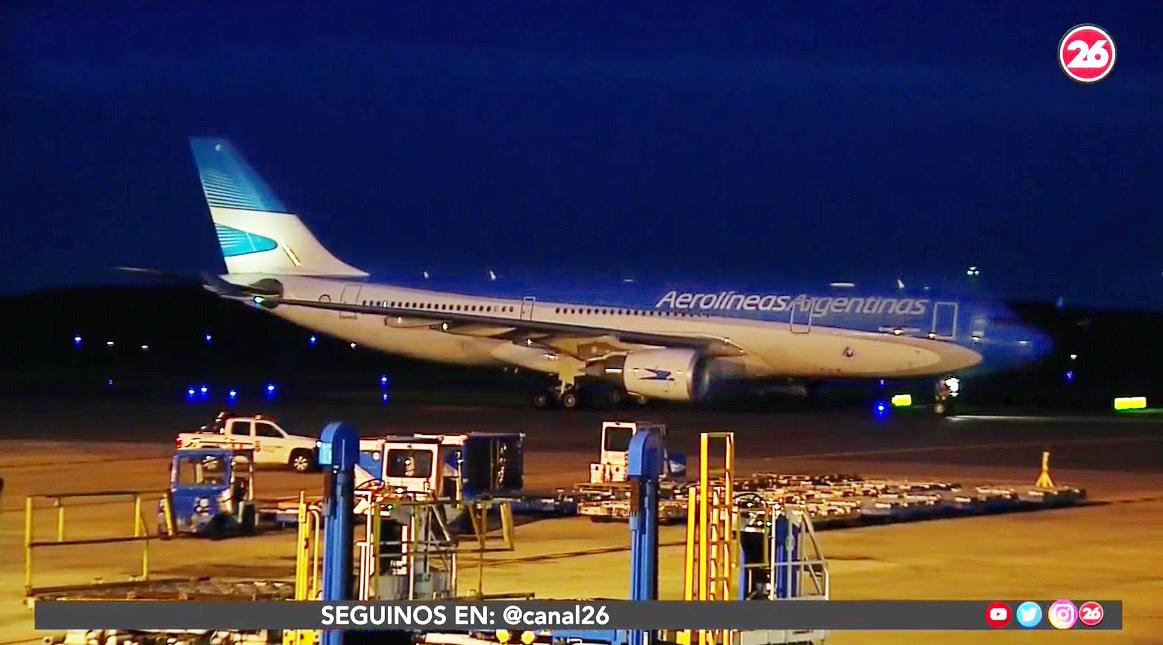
{"x":1112,"y":549}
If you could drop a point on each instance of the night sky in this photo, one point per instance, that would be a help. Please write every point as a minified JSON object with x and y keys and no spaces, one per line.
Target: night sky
{"x":767,"y":143}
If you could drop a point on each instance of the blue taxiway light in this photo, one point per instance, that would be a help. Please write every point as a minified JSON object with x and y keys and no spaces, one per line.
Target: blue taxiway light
{"x":270,"y":387}
{"x":1069,"y":376}
{"x":384,"y":397}
{"x":77,"y":340}
{"x":232,"y":393}
{"x":189,"y":391}
{"x":203,"y":389}
{"x":312,"y":340}
{"x":209,"y":338}
{"x":383,"y":380}
{"x":880,"y":408}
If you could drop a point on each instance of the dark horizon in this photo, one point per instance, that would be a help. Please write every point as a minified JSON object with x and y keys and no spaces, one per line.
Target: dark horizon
{"x":777,"y":144}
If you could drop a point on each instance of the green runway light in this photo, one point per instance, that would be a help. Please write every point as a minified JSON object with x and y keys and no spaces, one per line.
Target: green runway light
{"x":1130,"y":402}
{"x":901,"y":400}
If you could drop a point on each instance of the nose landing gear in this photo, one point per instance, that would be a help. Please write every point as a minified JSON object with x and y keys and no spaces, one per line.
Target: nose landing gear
{"x":946,"y":393}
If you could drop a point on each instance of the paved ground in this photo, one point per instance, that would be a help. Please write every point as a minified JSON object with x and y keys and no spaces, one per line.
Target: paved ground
{"x":1109,"y":550}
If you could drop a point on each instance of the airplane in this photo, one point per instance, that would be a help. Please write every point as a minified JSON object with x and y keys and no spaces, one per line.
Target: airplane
{"x":672,"y":343}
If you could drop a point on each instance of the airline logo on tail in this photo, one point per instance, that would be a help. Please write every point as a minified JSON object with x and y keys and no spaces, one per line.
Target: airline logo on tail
{"x":236,"y":242}
{"x":256,"y":231}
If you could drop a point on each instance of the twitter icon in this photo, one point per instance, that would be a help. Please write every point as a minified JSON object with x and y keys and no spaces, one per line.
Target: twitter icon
{"x":1029,"y":614}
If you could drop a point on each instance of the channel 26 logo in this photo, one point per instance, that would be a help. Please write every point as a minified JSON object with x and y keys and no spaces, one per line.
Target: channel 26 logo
{"x":1086,"y":53}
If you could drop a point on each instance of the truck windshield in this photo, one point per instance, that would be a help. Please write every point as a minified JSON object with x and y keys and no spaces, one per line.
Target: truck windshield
{"x":618,"y":439}
{"x":201,"y":470}
{"x":409,"y":463}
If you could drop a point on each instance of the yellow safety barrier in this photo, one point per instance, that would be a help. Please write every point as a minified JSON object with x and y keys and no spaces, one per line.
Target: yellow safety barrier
{"x":426,"y":538}
{"x":138,"y":533}
{"x":712,"y":545}
{"x":308,"y":567}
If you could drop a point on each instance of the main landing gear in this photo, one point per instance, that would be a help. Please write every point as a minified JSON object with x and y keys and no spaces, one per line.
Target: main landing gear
{"x":574,"y":396}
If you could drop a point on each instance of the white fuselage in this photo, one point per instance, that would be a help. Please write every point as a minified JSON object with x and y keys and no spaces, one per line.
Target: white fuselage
{"x":771,"y":349}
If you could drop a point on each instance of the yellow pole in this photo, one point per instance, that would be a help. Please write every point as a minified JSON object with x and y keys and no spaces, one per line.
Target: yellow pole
{"x":302,"y":558}
{"x":1044,"y":480}
{"x":136,"y":515}
{"x":316,"y":559}
{"x":703,"y":499}
{"x":139,"y":531}
{"x":375,"y":519}
{"x":688,"y":582}
{"x":728,"y":515}
{"x":482,"y":528}
{"x":27,"y":545}
{"x":60,"y":505}
{"x":168,"y":512}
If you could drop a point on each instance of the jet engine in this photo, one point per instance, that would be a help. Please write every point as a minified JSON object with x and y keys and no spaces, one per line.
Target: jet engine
{"x":668,"y":374}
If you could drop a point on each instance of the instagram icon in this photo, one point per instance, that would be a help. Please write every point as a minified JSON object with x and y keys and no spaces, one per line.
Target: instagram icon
{"x":1062,"y":614}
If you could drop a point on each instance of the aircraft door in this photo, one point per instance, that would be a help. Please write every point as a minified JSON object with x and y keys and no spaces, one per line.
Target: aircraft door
{"x":944,"y":320}
{"x":800,"y":321}
{"x":527,"y":307}
{"x":349,"y":296}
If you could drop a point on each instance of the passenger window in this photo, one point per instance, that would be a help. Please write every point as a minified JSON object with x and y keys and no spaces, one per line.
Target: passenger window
{"x":266,"y":429}
{"x":238,"y":428}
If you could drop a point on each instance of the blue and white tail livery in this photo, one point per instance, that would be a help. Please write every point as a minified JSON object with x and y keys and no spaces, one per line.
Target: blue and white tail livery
{"x":255,"y":230}
{"x":667,"y":341}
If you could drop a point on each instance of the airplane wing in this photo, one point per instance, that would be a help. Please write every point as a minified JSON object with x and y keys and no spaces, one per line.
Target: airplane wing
{"x":584,"y":342}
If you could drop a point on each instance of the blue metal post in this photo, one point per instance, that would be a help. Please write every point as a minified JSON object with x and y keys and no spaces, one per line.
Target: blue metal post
{"x":338,"y":454}
{"x":643,"y":469}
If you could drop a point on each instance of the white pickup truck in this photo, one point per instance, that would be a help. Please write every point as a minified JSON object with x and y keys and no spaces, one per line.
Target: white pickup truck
{"x":272,"y":445}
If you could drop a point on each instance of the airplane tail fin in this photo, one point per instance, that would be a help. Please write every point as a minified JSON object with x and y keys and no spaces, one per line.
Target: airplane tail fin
{"x":255,"y":230}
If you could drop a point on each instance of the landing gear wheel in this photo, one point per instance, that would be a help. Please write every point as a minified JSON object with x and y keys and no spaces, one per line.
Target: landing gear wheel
{"x":570,"y":400}
{"x":943,"y":408}
{"x":640,"y":399}
{"x":615,"y":397}
{"x":542,"y":400}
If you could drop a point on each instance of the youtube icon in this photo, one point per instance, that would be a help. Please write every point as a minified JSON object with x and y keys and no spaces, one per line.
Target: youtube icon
{"x":997,"y":615}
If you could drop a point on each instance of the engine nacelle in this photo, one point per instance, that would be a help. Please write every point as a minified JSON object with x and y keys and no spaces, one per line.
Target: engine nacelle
{"x":669,"y":374}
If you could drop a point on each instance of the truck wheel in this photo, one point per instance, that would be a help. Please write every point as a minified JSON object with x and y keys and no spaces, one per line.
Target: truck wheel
{"x":301,"y":461}
{"x":249,"y":522}
{"x":216,"y":529}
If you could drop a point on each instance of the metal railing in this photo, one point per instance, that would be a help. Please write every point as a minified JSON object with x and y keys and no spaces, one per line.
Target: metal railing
{"x":139,"y":532}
